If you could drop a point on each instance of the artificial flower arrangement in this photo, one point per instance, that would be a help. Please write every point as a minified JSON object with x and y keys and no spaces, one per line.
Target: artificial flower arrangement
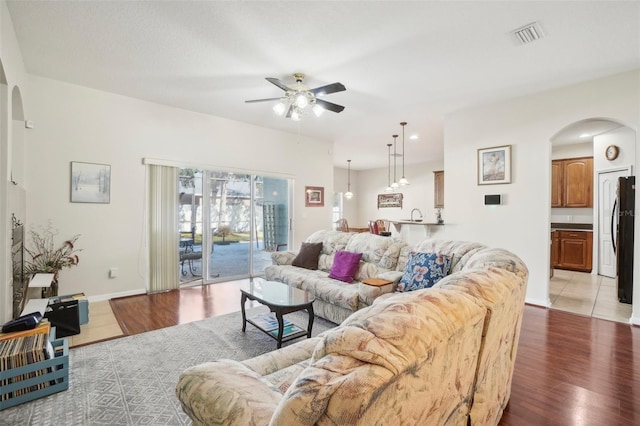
{"x":47,"y":257}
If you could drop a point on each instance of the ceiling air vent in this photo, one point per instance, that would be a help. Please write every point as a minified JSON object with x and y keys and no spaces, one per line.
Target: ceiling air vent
{"x":529,"y":33}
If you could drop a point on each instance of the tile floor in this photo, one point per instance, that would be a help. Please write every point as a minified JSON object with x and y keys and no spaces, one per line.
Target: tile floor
{"x":586,"y":294}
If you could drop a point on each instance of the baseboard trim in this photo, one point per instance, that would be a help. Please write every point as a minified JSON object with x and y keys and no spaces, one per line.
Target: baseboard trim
{"x":634,"y":320}
{"x":538,"y":302}
{"x":101,"y":297}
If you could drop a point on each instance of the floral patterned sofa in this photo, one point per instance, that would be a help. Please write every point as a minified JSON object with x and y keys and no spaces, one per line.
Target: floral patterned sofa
{"x":335,"y":299}
{"x":438,"y":356}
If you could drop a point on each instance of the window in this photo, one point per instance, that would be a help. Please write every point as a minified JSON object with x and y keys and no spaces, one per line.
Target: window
{"x":337,"y":209}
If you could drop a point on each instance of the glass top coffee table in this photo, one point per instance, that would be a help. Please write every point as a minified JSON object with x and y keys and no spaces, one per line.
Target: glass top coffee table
{"x":281,"y":299}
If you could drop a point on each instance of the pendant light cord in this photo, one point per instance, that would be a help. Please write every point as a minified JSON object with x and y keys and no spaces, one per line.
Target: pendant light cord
{"x":389,"y":169}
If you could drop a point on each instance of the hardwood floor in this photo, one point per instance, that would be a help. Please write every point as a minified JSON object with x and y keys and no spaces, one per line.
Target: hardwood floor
{"x":570,"y":369}
{"x":137,"y":314}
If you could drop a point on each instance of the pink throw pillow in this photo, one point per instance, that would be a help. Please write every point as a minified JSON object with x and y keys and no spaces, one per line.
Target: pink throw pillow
{"x":345,"y":266}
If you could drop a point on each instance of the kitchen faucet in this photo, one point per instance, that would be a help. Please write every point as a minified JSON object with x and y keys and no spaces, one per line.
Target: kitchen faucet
{"x":419,"y":212}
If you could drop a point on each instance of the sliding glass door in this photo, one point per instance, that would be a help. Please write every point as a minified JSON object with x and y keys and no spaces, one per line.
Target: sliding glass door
{"x":230,"y":223}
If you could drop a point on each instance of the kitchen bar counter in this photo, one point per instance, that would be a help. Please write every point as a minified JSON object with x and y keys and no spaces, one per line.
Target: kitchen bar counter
{"x":572,"y":226}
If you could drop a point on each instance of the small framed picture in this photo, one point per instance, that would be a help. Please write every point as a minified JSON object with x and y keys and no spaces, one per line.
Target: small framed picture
{"x":90,"y":183}
{"x":390,"y":200}
{"x":494,"y":165}
{"x":314,"y":196}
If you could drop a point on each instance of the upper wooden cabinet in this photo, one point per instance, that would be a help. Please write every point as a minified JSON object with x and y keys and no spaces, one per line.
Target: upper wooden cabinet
{"x":572,"y":182}
{"x":556,"y":183}
{"x":438,"y":189}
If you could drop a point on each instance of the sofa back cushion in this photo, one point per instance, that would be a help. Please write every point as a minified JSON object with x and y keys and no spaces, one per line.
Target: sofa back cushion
{"x":332,"y":241}
{"x":379,"y":253}
{"x":498,"y":280}
{"x":498,"y":258}
{"x":457,"y":250}
{"x":407,"y":360}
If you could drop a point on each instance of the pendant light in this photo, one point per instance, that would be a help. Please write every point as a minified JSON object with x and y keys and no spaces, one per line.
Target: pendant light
{"x":394,"y":185}
{"x":348,"y":195}
{"x":403,"y":180}
{"x":389,"y":188}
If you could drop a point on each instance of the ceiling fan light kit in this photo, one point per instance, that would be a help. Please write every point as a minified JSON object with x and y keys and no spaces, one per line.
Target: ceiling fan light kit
{"x":298,"y":97}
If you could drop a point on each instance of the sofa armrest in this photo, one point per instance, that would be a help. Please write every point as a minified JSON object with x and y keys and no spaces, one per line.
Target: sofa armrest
{"x":226,"y":392}
{"x":282,"y":358}
{"x":394,"y":276}
{"x":283,"y":257}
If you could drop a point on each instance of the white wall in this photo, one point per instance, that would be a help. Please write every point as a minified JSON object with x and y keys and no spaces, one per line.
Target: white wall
{"x":418,"y":194}
{"x":367,"y":184}
{"x":527,"y":123}
{"x":625,"y":139}
{"x":584,"y":149}
{"x":74,"y":123}
{"x":14,"y":72}
{"x":349,"y":207}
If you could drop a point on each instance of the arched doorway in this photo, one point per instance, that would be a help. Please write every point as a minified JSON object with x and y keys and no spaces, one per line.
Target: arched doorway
{"x":593,"y":292}
{"x":17,"y":146}
{"x":6,"y":290}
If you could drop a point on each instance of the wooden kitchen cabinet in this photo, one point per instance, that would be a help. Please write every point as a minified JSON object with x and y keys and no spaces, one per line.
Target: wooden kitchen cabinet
{"x":572,"y":250}
{"x":555,"y":249}
{"x":438,"y":189}
{"x":556,"y":183}
{"x":572,"y":182}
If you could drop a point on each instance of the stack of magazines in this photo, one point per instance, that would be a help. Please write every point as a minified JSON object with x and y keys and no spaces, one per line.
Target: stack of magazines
{"x":269,"y":323}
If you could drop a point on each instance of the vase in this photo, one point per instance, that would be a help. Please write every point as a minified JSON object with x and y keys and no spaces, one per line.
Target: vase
{"x":52,"y":290}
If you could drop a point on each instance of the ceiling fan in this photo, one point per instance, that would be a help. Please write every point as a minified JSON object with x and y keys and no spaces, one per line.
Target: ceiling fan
{"x":298,"y":97}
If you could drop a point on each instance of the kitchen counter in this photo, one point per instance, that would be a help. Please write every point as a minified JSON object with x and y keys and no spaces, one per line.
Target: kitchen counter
{"x":413,"y":222}
{"x":413,"y":232}
{"x":571,"y":226}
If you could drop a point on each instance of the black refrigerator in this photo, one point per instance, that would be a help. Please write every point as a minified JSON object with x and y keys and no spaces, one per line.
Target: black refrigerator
{"x":623,"y":243}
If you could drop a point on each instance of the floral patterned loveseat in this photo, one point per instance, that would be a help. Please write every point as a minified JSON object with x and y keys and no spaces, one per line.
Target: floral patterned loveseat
{"x":438,"y":356}
{"x":335,"y":299}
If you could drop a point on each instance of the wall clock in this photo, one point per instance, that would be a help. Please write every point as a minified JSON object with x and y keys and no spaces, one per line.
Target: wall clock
{"x":612,"y":152}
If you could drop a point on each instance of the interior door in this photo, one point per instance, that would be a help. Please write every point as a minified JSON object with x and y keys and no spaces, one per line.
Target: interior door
{"x":607,"y":187}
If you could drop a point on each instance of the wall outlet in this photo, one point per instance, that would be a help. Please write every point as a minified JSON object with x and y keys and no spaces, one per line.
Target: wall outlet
{"x":569,"y":218}
{"x":113,"y":272}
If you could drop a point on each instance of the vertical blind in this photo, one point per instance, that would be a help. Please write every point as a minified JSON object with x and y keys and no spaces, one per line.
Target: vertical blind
{"x":163,"y":228}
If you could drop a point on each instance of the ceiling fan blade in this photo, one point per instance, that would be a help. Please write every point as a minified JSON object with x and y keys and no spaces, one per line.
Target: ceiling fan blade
{"x":278,"y":83}
{"x":262,"y":100}
{"x":329,"y":105}
{"x":289,"y":111}
{"x":329,"y":88}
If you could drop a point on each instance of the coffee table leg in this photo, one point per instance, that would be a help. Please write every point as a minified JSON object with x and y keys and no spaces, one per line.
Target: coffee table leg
{"x":311,"y":316}
{"x":243,"y":299}
{"x":280,"y":327}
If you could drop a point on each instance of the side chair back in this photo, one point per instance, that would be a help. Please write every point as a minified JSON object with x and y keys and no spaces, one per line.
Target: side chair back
{"x":342,"y":225}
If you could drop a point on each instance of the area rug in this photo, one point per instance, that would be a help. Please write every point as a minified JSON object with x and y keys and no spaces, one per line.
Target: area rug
{"x":131,"y":380}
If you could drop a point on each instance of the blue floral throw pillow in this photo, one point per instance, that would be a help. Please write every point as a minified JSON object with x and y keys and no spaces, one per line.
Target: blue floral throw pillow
{"x":423,"y":271}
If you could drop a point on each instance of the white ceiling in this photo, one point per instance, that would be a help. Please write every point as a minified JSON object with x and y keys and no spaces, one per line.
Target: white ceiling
{"x":400,"y":61}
